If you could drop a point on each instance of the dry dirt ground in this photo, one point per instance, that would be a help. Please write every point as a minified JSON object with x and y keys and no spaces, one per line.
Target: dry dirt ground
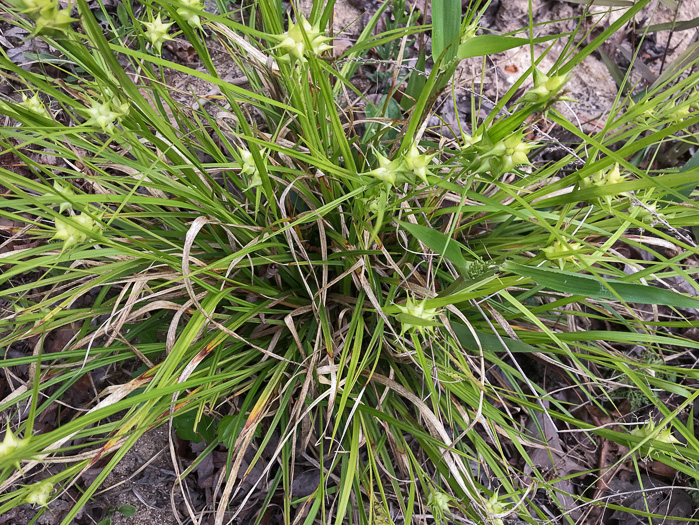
{"x":145,"y":478}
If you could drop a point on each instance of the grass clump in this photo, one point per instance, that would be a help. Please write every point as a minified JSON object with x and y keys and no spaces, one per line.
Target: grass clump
{"x":381,"y":307}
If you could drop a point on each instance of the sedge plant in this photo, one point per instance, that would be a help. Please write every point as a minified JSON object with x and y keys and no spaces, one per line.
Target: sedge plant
{"x":379,"y":306}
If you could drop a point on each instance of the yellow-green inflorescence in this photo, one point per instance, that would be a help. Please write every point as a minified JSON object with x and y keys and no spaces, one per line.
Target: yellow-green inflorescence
{"x":188,"y":12}
{"x":439,"y":503}
{"x":74,"y":230}
{"x":39,"y":493}
{"x":562,"y":252}
{"x":11,"y":446}
{"x":403,"y":169}
{"x":509,"y":153}
{"x":105,"y":114}
{"x":649,"y":430}
{"x":495,"y":508}
{"x":417,"y":316}
{"x":602,"y":179}
{"x":35,"y":105}
{"x":62,"y":195}
{"x":496,"y":158}
{"x":677,"y":114}
{"x":649,"y":213}
{"x":248,"y":167}
{"x":545,"y":87}
{"x":293,"y":46}
{"x":388,"y":171}
{"x":468,"y":32}
{"x":157,"y":33}
{"x":375,"y":203}
{"x":47,"y":15}
{"x":417,"y":162}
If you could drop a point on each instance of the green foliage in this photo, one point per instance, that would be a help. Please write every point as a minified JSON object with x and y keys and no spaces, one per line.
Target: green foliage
{"x":370,"y":297}
{"x":387,"y":108}
{"x":191,"y":427}
{"x":127,"y":511}
{"x":446,"y":25}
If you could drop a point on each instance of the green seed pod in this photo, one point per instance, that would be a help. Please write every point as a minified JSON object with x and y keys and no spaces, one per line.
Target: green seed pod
{"x":157,"y":33}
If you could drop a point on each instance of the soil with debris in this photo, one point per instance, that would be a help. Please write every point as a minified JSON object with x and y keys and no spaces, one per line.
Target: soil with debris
{"x":145,"y":478}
